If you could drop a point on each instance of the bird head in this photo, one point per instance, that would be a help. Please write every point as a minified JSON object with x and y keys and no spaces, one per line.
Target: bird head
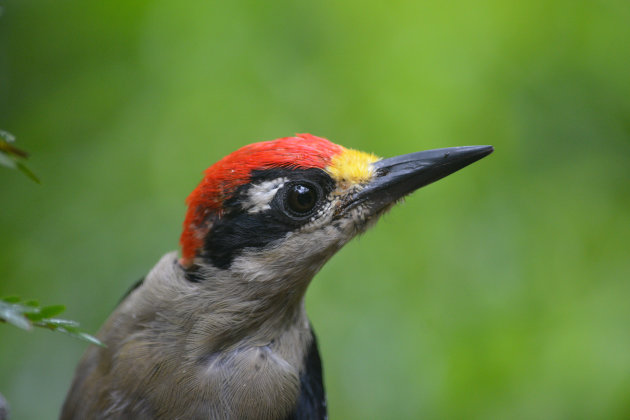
{"x":282,"y":208}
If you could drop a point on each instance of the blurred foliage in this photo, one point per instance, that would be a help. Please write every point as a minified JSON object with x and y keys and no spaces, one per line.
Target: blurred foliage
{"x":499,"y":292}
{"x":27,"y":314}
{"x":11,"y":156}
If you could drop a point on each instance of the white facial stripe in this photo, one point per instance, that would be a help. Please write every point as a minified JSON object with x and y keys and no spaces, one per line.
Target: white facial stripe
{"x":260,"y":195}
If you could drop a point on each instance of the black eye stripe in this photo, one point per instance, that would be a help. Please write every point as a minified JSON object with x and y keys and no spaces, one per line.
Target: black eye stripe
{"x":238,"y":229}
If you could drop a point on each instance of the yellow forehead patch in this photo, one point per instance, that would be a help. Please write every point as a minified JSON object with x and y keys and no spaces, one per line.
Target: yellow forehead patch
{"x":351,"y":166}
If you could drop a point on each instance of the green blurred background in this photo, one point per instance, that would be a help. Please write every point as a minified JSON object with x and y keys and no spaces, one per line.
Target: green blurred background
{"x":500,"y":292}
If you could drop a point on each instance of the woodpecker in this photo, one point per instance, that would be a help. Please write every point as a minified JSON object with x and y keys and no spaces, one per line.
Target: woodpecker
{"x":221,"y":332}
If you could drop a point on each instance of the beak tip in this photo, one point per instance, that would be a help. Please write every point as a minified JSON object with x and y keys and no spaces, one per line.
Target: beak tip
{"x":473,"y":153}
{"x":487,"y":150}
{"x":481,"y":151}
{"x":465,"y":155}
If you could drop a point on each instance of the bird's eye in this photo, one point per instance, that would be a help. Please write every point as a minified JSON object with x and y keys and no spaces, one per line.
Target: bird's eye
{"x":301,"y":198}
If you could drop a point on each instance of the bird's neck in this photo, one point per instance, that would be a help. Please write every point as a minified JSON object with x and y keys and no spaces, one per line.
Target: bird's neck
{"x":251,"y":304}
{"x":248,"y":305}
{"x":214,"y":333}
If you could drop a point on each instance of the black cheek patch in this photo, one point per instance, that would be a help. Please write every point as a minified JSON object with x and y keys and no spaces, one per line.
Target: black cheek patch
{"x":238,"y":229}
{"x":231,"y":234}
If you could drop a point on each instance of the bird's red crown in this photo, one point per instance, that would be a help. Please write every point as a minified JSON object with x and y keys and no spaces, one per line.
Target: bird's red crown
{"x":221,"y":179}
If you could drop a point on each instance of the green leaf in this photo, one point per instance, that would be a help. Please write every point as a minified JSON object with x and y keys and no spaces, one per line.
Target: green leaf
{"x":11,"y":150}
{"x":73,"y":331}
{"x":8,"y":137}
{"x":90,"y":339}
{"x":22,"y":168}
{"x":33,"y":316}
{"x":27,"y":314}
{"x":11,"y":156}
{"x":5,"y":160}
{"x":12,"y":314}
{"x":52,"y":310}
{"x":58,"y":323}
{"x":16,"y":319}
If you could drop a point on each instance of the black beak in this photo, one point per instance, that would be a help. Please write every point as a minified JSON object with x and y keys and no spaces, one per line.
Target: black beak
{"x":401,"y":175}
